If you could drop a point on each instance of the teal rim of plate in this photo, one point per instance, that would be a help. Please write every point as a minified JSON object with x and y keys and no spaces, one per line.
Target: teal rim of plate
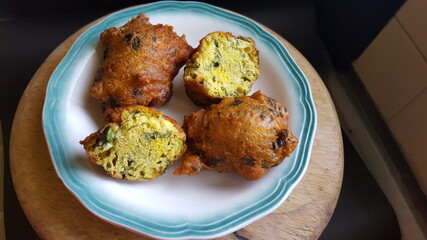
{"x":54,"y":115}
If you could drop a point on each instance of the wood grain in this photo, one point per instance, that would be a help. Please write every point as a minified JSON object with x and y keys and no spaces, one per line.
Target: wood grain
{"x":56,"y":214}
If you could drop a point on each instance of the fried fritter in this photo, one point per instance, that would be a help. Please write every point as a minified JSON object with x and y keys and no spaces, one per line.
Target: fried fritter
{"x":140,"y":147}
{"x":140,"y":62}
{"x":247,"y":135}
{"x":222,"y":66}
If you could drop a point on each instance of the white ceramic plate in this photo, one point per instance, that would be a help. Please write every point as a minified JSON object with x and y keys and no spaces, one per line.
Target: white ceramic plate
{"x":210,"y":204}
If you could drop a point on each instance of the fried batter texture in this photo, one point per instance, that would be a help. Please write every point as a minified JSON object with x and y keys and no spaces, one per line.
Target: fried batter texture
{"x":247,"y":135}
{"x":141,"y":147}
{"x":140,"y":62}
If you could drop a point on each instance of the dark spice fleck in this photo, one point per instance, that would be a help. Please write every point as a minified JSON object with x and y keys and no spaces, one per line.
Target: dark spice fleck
{"x":222,"y":88}
{"x":213,"y":161}
{"x":281,"y":139}
{"x":274,"y":165}
{"x":284,"y":134}
{"x":274,"y":145}
{"x":105,"y":53}
{"x":99,"y":76}
{"x":248,"y":161}
{"x":136,"y":76}
{"x":157,"y":135}
{"x":265,"y":165}
{"x":216,"y":43}
{"x":216,"y":64}
{"x":236,"y":102}
{"x":280,"y":142}
{"x":113,"y":103}
{"x":136,"y":43}
{"x":130,"y":161}
{"x":128,"y":37}
{"x":105,"y":137}
{"x":137,"y":92}
{"x":165,"y":93}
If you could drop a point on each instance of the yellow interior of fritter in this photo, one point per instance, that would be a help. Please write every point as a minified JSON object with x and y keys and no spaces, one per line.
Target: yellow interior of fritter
{"x":227,"y":66}
{"x":141,"y":148}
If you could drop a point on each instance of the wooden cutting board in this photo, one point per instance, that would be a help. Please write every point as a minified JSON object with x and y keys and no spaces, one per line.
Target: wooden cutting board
{"x":56,"y":214}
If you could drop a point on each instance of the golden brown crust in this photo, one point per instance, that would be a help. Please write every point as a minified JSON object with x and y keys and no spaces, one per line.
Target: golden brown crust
{"x":177,"y":126}
{"x":191,"y":165}
{"x":140,"y":62}
{"x":198,"y":93}
{"x":248,"y":135}
{"x":91,"y":140}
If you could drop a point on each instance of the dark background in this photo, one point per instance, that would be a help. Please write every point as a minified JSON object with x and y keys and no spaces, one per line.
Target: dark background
{"x":324,"y":31}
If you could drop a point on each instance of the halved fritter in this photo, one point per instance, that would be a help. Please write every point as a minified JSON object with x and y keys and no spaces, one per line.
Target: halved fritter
{"x":222,"y":66}
{"x":140,"y":147}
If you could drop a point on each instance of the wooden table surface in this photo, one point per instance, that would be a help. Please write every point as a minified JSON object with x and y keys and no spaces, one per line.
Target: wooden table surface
{"x":56,"y":214}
